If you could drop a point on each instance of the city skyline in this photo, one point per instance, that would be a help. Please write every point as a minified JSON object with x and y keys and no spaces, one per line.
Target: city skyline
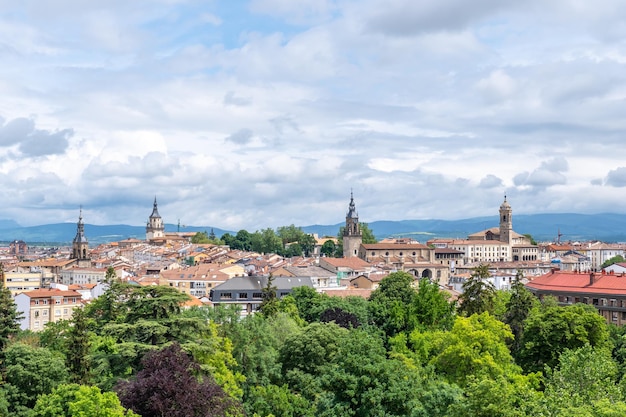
{"x":266,"y":113}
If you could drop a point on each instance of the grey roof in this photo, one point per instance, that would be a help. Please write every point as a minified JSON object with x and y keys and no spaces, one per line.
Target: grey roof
{"x":258,"y":282}
{"x":309,"y":271}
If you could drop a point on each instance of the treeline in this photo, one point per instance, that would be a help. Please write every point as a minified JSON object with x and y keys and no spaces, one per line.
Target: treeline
{"x":287,"y":241}
{"x":406,"y":351}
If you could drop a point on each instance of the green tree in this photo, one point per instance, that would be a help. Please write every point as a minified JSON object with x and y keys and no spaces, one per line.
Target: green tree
{"x":110,"y":275}
{"x":431,"y":308}
{"x":583,"y":376}
{"x":269,"y":303}
{"x":551,"y":329}
{"x":475,"y":347}
{"x":30,"y":372}
{"x":73,"y":400}
{"x":614,"y":260}
{"x":307,"y":243}
{"x":390,"y":303}
{"x":518,"y":308}
{"x":266,"y":241}
{"x":277,"y":401}
{"x":153,"y":302}
{"x":328,"y":249}
{"x":511,"y":395}
{"x":78,"y":358}
{"x":9,"y":316}
{"x":478,"y":294}
{"x":200,"y":238}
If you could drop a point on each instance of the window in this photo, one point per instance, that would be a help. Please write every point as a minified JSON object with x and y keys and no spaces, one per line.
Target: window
{"x":65,"y":311}
{"x":57,"y":301}
{"x":243,"y":295}
{"x":257,"y":295}
{"x":57,"y":312}
{"x":36,"y":323}
{"x":226,"y":296}
{"x":44,"y":313}
{"x":36,"y":302}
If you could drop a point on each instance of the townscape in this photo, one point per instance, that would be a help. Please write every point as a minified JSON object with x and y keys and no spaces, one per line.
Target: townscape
{"x":270,"y":330}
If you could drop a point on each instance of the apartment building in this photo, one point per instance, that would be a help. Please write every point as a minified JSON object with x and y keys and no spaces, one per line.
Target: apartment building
{"x":41,"y":306}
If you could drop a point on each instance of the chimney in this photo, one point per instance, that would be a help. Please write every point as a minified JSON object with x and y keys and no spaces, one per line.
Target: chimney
{"x":592,"y":278}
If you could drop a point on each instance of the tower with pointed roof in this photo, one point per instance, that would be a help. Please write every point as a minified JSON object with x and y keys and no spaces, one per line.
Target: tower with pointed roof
{"x":352,"y":236}
{"x":506,"y":222}
{"x":154,"y":227}
{"x":80,"y":245}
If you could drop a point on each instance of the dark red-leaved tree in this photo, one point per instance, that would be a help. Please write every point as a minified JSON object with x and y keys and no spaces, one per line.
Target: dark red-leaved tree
{"x":171,"y":384}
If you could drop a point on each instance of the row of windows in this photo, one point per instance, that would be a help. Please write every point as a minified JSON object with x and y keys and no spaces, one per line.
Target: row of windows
{"x":400,"y":254}
{"x":56,"y":301}
{"x":244,"y":295}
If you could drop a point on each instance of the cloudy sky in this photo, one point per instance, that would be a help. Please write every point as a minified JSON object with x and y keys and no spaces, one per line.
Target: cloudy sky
{"x":263,"y":113}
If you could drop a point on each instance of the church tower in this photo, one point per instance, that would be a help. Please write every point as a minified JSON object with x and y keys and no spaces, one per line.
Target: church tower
{"x":154,"y":227}
{"x":352,"y":237}
{"x":506,"y":222}
{"x":80,"y":246}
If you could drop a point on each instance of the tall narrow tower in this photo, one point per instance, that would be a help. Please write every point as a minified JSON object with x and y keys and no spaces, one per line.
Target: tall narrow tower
{"x":506,"y":222}
{"x":155,"y":227}
{"x":352,"y":236}
{"x":80,"y":245}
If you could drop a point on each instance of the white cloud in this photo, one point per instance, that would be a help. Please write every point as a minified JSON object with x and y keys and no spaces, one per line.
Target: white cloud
{"x":285,"y":106}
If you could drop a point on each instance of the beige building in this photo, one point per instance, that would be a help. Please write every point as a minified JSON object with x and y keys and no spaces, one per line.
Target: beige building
{"x":496,"y":244}
{"x":39,"y":307}
{"x":199,"y":280}
{"x":82,"y":275}
{"x":19,"y":282}
{"x":413,"y":257}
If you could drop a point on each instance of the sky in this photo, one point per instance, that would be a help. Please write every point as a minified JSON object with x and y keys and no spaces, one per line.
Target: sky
{"x":265,"y":113}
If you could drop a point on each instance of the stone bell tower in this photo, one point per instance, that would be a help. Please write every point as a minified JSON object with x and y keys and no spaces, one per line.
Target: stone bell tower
{"x":155,"y":227}
{"x":352,"y":236}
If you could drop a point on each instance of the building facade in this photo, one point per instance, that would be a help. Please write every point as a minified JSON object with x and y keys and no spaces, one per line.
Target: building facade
{"x":39,"y":307}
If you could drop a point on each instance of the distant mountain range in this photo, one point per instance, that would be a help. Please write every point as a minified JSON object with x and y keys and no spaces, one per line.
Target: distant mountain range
{"x":608,"y":227}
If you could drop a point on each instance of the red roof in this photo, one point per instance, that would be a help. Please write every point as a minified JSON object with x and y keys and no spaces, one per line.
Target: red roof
{"x":51,"y":292}
{"x":577,"y":282}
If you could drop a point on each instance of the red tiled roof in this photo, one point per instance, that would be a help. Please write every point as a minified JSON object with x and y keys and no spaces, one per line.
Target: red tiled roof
{"x":51,"y":292}
{"x":575,"y":282}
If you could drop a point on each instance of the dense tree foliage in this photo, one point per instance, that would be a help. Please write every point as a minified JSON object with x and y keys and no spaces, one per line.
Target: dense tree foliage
{"x":73,"y":400}
{"x":551,"y":329}
{"x":171,"y":384}
{"x":478,"y":294}
{"x":518,"y":307}
{"x":403,"y":352}
{"x":29,"y":372}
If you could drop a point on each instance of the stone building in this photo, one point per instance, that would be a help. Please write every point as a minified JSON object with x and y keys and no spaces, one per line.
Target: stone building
{"x":80,"y":245}
{"x":155,"y":228}
{"x":352,"y":235}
